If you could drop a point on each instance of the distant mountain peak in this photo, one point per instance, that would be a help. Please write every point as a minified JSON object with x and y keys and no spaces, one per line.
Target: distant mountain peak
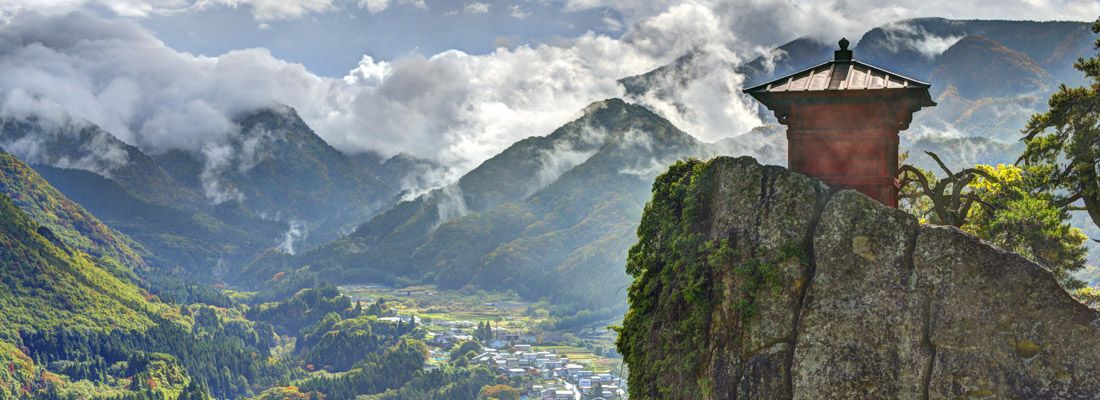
{"x":80,"y":144}
{"x":981,"y":67}
{"x":278,"y":115}
{"x":613,"y":113}
{"x":563,"y":201}
{"x":597,"y":106}
{"x":535,"y":162}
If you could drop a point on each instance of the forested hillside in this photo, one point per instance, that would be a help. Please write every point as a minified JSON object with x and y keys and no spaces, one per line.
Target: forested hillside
{"x":76,"y":322}
{"x":547,"y":217}
{"x":73,"y":307}
{"x":67,"y":221}
{"x":278,"y":169}
{"x":275,"y":185}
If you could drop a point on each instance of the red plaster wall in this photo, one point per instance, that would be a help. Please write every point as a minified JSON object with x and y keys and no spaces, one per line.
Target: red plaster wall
{"x":848,"y":146}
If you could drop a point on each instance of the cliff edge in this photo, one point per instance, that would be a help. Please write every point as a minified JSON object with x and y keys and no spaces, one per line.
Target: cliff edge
{"x":754,"y":282}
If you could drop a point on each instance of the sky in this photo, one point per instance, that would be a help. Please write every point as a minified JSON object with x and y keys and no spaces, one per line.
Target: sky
{"x":451,"y":81}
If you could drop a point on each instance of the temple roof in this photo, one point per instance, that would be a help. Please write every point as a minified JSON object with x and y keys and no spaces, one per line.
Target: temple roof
{"x":843,"y":73}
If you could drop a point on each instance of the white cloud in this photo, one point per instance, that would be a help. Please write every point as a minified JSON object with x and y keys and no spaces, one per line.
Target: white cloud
{"x":296,"y":232}
{"x":266,"y":10}
{"x":477,"y":8}
{"x":218,"y":159}
{"x":772,"y":22}
{"x":612,"y":24}
{"x":906,"y":36}
{"x":455,"y":108}
{"x":451,"y":204}
{"x":374,"y":6}
{"x":518,"y":13}
{"x":459,"y":109}
{"x":262,"y":10}
{"x":377,"y":6}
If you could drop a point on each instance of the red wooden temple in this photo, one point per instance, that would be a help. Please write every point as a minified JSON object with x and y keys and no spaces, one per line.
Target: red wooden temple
{"x":843,"y":119}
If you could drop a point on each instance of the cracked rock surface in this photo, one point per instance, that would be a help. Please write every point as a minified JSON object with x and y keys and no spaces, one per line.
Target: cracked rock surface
{"x":878,"y":306}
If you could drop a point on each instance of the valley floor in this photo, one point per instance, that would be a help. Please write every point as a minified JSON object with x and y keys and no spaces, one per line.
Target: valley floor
{"x":523,"y":341}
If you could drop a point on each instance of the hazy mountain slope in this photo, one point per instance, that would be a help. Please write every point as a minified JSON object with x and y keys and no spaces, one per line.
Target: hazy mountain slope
{"x":766,"y":143}
{"x":666,"y":81}
{"x":203,"y":244}
{"x":988,"y":77}
{"x":273,"y":184}
{"x":984,"y":89}
{"x":788,"y":58}
{"x":549,"y":217}
{"x":578,"y":226}
{"x":402,"y":174}
{"x":910,"y":47}
{"x":69,"y":222}
{"x":531,"y":164}
{"x":979,"y":67}
{"x":671,"y":84}
{"x":278,"y":168}
{"x":83,"y":145}
{"x":791,"y":57}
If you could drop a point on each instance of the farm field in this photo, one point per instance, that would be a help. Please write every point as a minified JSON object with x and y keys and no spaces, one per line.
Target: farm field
{"x":502,"y":309}
{"x":440,"y":310}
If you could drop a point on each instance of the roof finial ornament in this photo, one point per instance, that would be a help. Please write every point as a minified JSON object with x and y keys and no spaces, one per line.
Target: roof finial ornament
{"x":843,"y":54}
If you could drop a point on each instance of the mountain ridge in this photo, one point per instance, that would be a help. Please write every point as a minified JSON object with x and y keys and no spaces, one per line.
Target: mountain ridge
{"x":521,"y":215}
{"x":188,"y":230}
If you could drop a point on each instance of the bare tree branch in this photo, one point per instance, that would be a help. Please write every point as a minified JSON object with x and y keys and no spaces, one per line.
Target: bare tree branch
{"x":951,"y":201}
{"x":940,"y":162}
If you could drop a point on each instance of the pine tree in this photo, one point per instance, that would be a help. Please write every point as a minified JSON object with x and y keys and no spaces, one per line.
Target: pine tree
{"x":1064,"y":140}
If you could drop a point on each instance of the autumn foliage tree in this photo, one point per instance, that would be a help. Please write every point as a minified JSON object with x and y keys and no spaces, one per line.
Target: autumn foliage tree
{"x":1006,"y":205}
{"x":499,"y":392}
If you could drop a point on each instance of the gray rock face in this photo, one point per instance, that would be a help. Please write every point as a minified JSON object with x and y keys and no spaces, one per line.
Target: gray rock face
{"x":760,"y":212}
{"x":872,"y":305}
{"x":1000,"y":326}
{"x":861,"y":331}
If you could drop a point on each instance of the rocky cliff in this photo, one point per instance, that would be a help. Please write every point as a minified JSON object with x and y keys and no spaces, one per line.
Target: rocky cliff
{"x":753,"y":282}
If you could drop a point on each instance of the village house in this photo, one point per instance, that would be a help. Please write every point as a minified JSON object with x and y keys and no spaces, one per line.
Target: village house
{"x":556,"y":394}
